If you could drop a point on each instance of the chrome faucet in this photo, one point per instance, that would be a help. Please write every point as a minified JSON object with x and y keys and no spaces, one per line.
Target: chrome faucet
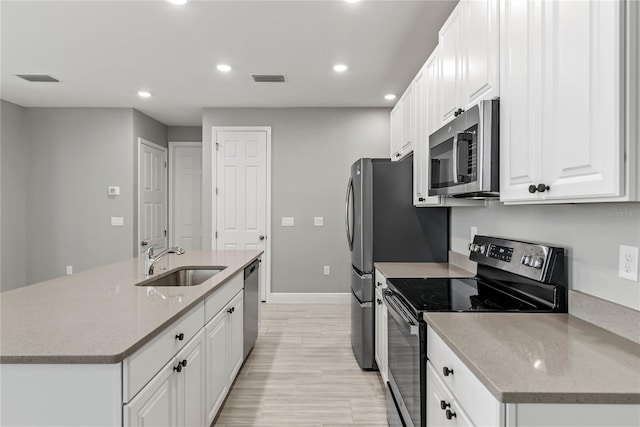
{"x":150,"y":259}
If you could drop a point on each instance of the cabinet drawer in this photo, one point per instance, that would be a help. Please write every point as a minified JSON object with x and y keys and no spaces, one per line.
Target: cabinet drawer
{"x":221,"y":296}
{"x":442,"y":407}
{"x":466,"y":389}
{"x":140,"y":367}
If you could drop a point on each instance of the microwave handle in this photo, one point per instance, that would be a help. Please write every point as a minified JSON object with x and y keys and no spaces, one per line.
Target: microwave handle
{"x":455,"y":158}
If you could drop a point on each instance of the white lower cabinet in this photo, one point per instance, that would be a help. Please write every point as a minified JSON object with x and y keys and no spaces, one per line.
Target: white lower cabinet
{"x":442,"y":408}
{"x":188,"y":391}
{"x":381,"y":341}
{"x":224,"y":341}
{"x":175,"y":396}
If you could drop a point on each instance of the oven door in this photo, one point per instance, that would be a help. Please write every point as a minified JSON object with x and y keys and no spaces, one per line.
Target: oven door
{"x":404,"y":340}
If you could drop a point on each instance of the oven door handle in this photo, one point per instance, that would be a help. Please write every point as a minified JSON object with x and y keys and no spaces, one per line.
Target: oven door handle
{"x":398,"y":313}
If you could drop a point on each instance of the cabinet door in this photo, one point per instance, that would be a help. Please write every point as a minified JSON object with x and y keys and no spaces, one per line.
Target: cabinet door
{"x":582,"y":111}
{"x":396,"y":124}
{"x":236,"y":336}
{"x":191,"y":382}
{"x":216,"y":371}
{"x":521,"y":33}
{"x":407,"y":130}
{"x":439,"y":396}
{"x":450,"y":65}
{"x":156,"y":404}
{"x":480,"y":51}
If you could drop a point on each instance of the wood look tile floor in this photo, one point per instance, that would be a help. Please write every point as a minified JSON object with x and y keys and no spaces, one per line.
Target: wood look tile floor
{"x":302,"y":372}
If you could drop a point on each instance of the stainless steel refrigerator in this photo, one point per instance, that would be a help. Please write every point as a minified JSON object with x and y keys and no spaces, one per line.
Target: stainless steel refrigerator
{"x":383,"y":226}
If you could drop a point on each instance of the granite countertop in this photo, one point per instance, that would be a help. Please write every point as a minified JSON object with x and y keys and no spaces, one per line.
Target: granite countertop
{"x":543,"y":358}
{"x":421,"y":270}
{"x":100,"y":315}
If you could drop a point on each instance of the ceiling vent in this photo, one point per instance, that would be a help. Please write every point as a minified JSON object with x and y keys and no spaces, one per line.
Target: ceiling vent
{"x":38,"y":78}
{"x":268,"y":78}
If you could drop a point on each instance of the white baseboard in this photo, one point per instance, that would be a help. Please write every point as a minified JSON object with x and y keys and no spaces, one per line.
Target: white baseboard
{"x":309,"y":298}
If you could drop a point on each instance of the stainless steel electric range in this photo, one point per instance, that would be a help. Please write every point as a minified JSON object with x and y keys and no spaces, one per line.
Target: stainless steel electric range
{"x":512,"y":276}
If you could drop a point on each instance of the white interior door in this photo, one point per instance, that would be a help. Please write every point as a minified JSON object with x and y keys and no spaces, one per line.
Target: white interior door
{"x":185,"y":188}
{"x":152,"y":195}
{"x":242,"y":183}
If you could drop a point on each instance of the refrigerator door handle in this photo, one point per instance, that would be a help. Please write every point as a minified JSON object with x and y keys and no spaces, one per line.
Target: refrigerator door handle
{"x":346,"y":214}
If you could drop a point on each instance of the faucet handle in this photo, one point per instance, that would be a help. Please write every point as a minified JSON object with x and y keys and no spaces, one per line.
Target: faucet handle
{"x":149,"y":251}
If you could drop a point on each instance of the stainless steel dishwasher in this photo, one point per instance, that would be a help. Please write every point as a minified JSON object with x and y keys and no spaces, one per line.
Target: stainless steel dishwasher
{"x":251,"y":301}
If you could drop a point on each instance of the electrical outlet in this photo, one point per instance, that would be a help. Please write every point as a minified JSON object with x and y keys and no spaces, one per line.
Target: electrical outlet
{"x":287,"y":221}
{"x":327,"y":270}
{"x":69,"y":269}
{"x":474,"y":231}
{"x":318,"y":221}
{"x":628,"y":263}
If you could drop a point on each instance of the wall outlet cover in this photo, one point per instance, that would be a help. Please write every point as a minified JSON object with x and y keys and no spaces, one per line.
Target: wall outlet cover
{"x":327,"y":270}
{"x":114,"y":191}
{"x":318,"y":221}
{"x":474,"y":231}
{"x":287,"y":221}
{"x":69,"y":269}
{"x":628,"y":263}
{"x":117,"y":221}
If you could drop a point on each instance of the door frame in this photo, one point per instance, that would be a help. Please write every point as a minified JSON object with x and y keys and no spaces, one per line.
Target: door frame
{"x":266,"y":264}
{"x":171,"y":169}
{"x":142,"y":141}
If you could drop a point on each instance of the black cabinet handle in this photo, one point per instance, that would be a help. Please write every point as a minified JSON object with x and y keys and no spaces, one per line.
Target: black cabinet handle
{"x":421,"y":199}
{"x":180,"y":336}
{"x":231,"y":310}
{"x":444,"y":405}
{"x":379,"y":301}
{"x":450,"y":414}
{"x":540,"y":187}
{"x":458,"y":112}
{"x":182,"y":364}
{"x":446,"y":371}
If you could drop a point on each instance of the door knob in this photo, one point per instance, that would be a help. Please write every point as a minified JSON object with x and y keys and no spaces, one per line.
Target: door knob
{"x":262,"y":237}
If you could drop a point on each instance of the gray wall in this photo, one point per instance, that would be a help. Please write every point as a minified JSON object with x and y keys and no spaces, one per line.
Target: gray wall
{"x":153,"y":131}
{"x":592,"y":234}
{"x":312,"y":151}
{"x":13,"y":229}
{"x":74,"y":154}
{"x":185,"y":133}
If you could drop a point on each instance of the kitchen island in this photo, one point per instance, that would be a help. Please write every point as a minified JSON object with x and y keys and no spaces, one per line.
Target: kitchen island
{"x":95,"y":349}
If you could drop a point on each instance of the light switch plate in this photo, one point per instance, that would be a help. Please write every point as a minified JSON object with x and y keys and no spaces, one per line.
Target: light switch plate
{"x":117,"y":221}
{"x":114,"y":191}
{"x":318,"y":221}
{"x":287,"y":221}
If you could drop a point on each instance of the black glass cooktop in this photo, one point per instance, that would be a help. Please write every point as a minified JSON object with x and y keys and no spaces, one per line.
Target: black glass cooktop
{"x":469,"y":294}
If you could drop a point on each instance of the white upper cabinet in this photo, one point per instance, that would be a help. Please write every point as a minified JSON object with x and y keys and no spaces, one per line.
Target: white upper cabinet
{"x":403,"y":125}
{"x":469,"y":57}
{"x":562,"y":103}
{"x":426,"y":85}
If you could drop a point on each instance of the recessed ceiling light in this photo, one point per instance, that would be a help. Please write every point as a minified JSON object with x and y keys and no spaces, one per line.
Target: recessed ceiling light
{"x":340,"y":68}
{"x":224,"y":68}
{"x":390,"y":97}
{"x":178,"y":2}
{"x":144,"y":94}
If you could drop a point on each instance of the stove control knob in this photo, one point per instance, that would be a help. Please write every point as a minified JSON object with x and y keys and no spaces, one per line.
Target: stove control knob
{"x":525,"y":259}
{"x":474,"y":248}
{"x":537,"y":263}
{"x":483,"y":249}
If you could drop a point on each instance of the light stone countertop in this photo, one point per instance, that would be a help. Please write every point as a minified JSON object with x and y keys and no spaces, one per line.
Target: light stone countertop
{"x":100,"y":315}
{"x":543,"y":358}
{"x":420,"y":270}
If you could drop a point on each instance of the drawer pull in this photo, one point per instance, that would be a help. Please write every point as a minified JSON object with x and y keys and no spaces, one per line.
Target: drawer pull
{"x":180,"y":336}
{"x":446,"y":371}
{"x":444,"y":405}
{"x":450,"y":414}
{"x":180,"y":366}
{"x":231,"y":310}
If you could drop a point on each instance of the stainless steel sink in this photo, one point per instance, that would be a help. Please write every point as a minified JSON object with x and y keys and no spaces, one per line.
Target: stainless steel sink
{"x":187,"y":276}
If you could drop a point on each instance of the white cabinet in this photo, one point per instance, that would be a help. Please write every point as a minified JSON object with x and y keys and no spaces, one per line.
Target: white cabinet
{"x":224,"y":340}
{"x":469,"y":57}
{"x":562,"y":101}
{"x":466,"y":395}
{"x":175,"y":396}
{"x":403,"y":125}
{"x":442,"y":408}
{"x":381,"y":341}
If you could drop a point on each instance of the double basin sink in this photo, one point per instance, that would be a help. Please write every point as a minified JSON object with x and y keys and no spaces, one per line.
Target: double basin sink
{"x":184,"y":276}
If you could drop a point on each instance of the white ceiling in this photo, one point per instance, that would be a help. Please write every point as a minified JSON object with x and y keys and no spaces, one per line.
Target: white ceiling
{"x":103,"y":52}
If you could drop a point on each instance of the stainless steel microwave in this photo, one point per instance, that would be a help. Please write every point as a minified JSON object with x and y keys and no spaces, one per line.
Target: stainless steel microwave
{"x":465,"y":154}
